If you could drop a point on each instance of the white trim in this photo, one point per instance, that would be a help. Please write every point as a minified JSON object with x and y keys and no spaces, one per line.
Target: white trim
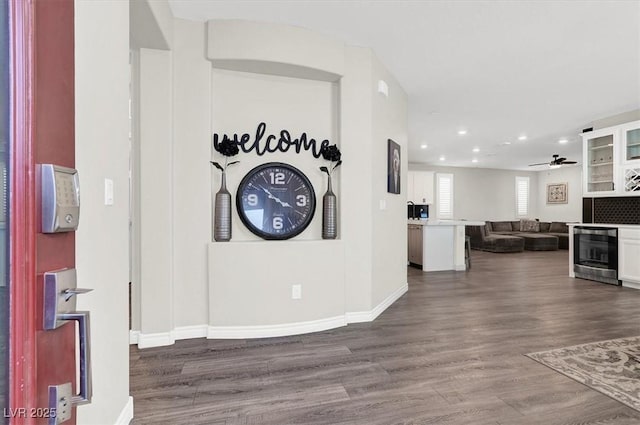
{"x":159,"y":339}
{"x":267,"y":331}
{"x":167,"y":338}
{"x":126,"y":414}
{"x":188,"y":332}
{"x":632,"y":285}
{"x":371,"y":315}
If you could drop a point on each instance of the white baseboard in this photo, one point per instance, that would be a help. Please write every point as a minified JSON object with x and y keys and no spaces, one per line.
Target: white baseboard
{"x":134,"y":336}
{"x":126,"y":414}
{"x":167,"y":338}
{"x":189,"y":332}
{"x":371,"y":315}
{"x":265,"y":331}
{"x":268,"y":331}
{"x":159,"y":339}
{"x":632,"y":285}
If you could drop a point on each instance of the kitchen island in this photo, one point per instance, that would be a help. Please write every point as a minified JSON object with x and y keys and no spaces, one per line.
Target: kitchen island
{"x":442,"y":243}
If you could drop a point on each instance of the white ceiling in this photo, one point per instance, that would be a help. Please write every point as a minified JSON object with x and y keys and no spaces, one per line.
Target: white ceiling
{"x":498,"y":69}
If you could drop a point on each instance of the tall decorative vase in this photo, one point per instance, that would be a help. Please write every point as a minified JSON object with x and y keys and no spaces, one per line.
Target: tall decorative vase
{"x":329,"y":213}
{"x":222,"y":213}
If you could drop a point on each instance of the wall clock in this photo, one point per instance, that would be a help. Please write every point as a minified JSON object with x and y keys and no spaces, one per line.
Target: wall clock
{"x":276,"y":201}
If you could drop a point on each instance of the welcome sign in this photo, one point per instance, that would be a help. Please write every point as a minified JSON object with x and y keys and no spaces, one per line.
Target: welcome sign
{"x":272,"y":143}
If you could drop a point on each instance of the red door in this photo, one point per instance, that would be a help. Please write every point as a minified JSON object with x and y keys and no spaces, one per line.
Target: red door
{"x":42,"y":131}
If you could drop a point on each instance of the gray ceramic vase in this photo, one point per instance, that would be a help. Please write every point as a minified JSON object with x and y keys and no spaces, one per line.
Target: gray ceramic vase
{"x":222,"y":213}
{"x":329,"y":213}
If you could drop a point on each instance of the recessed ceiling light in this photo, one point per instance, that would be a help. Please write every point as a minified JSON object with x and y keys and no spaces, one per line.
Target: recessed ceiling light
{"x":476,"y":149}
{"x":474,"y":160}
{"x":462,"y":132}
{"x":442,"y":158}
{"x":423,"y":146}
{"x":506,"y":143}
{"x":523,"y":137}
{"x":563,"y":141}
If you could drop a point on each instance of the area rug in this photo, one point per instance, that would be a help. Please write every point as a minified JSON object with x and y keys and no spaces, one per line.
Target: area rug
{"x":611,"y":367}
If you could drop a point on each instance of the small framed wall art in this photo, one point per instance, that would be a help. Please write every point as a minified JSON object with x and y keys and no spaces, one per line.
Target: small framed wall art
{"x":393,"y":167}
{"x":557,"y":193}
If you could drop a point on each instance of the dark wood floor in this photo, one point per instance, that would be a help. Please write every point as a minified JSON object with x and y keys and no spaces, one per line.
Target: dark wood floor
{"x":450,"y":351}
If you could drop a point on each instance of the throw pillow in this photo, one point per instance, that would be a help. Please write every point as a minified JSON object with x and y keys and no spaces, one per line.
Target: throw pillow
{"x":558,"y":227}
{"x":544,"y":226}
{"x":501,"y":226}
{"x":529,"y":226}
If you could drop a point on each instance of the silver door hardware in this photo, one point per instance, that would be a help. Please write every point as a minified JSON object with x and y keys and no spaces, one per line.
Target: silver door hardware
{"x":60,"y":307}
{"x":59,"y":403}
{"x":60,"y":192}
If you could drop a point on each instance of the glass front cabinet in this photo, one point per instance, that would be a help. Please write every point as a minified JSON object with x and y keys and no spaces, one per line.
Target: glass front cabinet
{"x":630,"y":134}
{"x":599,"y":157}
{"x":611,"y":161}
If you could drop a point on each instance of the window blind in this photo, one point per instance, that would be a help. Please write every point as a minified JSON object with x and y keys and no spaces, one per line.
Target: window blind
{"x":445,"y":195}
{"x":522,"y":196}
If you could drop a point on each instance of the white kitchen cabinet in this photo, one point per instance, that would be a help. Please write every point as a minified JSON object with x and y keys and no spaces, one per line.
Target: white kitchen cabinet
{"x":629,"y":255}
{"x":611,"y":161}
{"x":630,"y":155}
{"x":420,"y":187}
{"x":600,"y":161}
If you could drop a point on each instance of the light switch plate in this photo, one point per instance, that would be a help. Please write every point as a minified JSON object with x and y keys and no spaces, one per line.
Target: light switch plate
{"x":383,"y":204}
{"x":108,"y":192}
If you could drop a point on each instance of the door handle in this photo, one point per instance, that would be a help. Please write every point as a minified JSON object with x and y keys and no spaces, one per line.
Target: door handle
{"x":60,"y":307}
{"x":70,"y":292}
{"x":84,"y":336}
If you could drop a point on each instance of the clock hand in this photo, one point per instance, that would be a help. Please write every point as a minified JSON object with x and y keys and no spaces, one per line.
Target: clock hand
{"x":270,"y":196}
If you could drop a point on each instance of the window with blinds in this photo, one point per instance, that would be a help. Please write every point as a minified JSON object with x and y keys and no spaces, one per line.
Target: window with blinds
{"x":445,"y":195}
{"x":522,"y":196}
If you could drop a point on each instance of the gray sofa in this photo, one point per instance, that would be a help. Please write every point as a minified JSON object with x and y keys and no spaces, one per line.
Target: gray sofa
{"x":500,"y":236}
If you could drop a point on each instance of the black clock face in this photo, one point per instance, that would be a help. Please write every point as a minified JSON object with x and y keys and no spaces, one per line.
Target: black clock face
{"x":276,"y":201}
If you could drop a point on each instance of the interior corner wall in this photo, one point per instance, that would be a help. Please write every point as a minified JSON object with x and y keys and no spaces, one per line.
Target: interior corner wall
{"x":156,"y":191}
{"x":102,"y":151}
{"x":191,"y":151}
{"x":572,"y":210}
{"x":486,"y":194}
{"x":356,"y":170}
{"x":389,"y":228}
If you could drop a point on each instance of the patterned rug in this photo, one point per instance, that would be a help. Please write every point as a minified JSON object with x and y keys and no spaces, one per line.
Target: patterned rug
{"x":611,"y":367}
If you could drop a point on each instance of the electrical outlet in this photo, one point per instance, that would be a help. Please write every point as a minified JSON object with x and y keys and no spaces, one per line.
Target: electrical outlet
{"x":296,"y":292}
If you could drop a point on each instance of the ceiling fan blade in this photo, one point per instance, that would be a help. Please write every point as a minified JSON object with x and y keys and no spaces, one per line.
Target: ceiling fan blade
{"x":542,"y":163}
{"x":560,"y":159}
{"x":569,"y":162}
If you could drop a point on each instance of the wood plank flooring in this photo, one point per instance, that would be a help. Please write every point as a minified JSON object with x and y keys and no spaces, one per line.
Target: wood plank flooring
{"x":450,"y":351}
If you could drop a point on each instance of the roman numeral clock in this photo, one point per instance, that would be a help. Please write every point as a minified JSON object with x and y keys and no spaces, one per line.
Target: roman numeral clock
{"x":276,"y":201}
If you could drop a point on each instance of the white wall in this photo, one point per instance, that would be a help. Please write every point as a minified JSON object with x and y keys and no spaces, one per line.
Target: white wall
{"x":486,"y":194}
{"x":191,"y":173}
{"x":389,"y":227}
{"x":357,"y":129}
{"x":102,"y":151}
{"x":156,"y":186}
{"x":572,"y":210}
{"x":211,"y":288}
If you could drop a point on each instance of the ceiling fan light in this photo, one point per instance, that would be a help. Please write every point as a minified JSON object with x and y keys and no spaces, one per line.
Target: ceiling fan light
{"x":553,"y":166}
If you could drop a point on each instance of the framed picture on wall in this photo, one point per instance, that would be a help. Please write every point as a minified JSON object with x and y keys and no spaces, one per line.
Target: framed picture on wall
{"x":393,"y":167}
{"x":557,"y":193}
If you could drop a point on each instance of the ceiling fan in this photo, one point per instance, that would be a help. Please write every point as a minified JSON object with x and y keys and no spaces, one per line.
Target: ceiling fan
{"x":557,"y":161}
